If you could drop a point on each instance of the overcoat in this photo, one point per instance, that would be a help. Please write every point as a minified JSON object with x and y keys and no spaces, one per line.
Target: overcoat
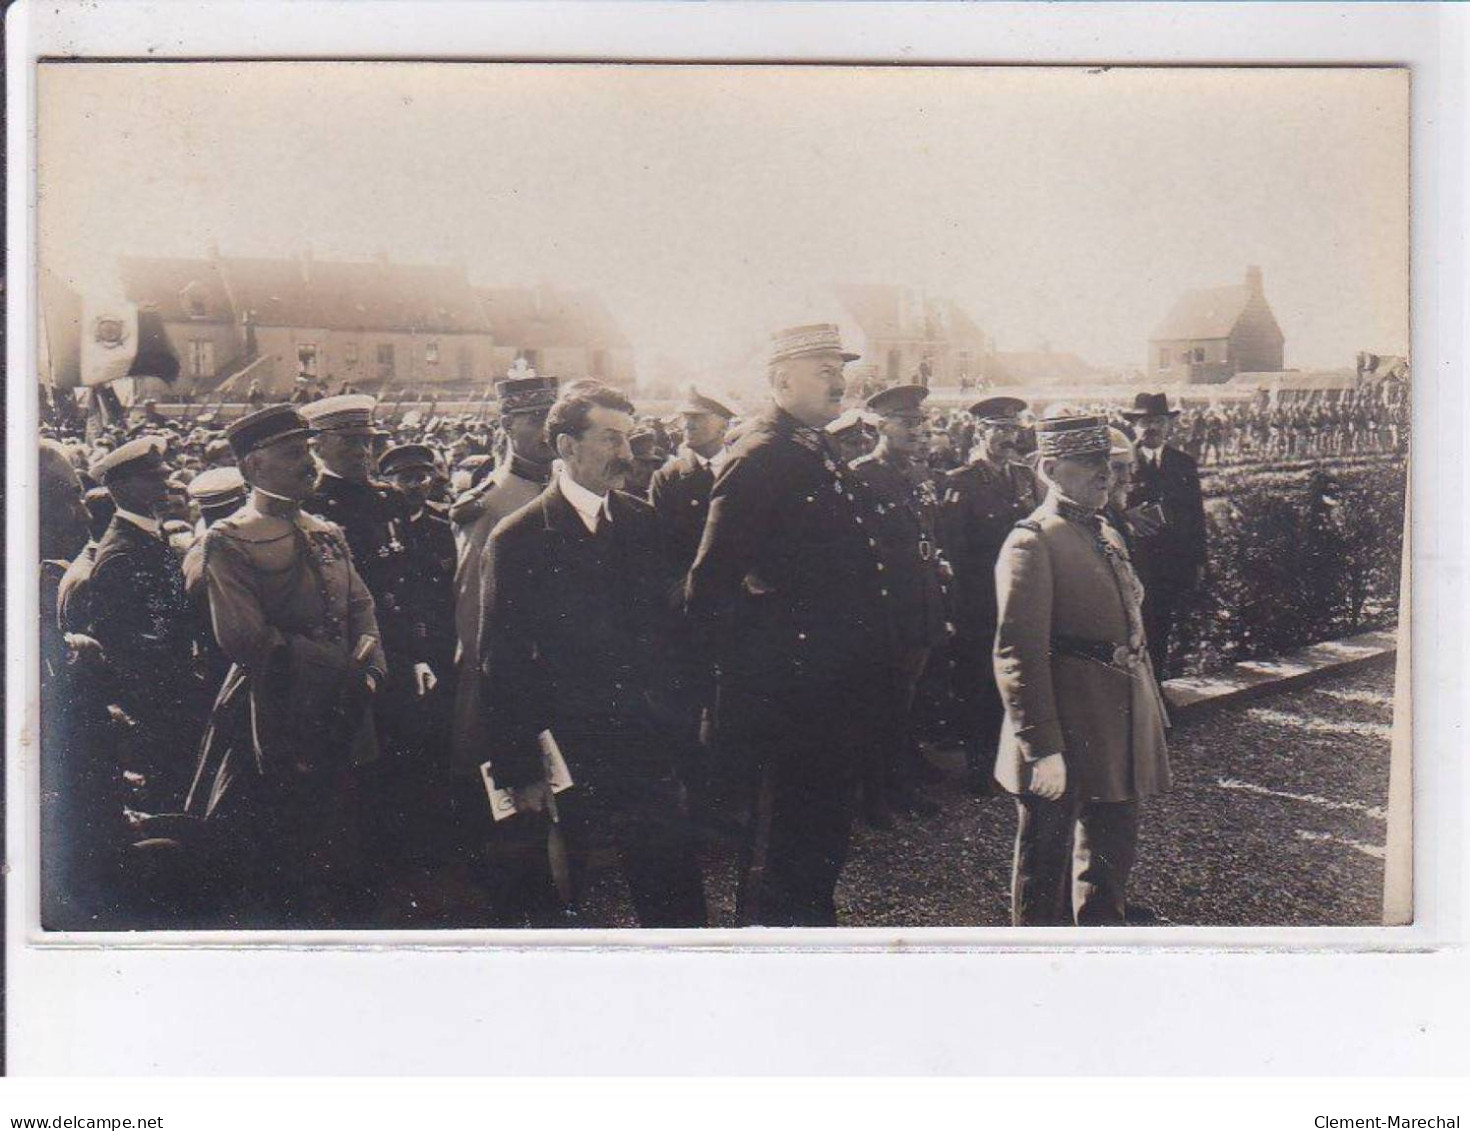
{"x":1070,"y":660}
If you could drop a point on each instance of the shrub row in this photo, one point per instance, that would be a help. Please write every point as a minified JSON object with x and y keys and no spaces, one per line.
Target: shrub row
{"x":1296,"y":556}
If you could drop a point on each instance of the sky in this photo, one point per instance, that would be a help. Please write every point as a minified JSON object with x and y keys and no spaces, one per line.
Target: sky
{"x":712,"y":205}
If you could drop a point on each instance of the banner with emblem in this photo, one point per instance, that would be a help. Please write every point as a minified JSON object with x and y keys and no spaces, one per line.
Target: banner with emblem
{"x":118,"y":339}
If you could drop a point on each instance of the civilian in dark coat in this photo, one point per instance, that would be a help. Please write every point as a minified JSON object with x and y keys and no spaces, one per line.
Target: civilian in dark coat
{"x":789,"y":588}
{"x":578,"y":614}
{"x":1170,"y":556}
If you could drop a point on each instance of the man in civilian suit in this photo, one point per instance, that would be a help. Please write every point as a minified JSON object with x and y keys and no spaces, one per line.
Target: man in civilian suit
{"x":578,"y":615}
{"x":1169,"y":555}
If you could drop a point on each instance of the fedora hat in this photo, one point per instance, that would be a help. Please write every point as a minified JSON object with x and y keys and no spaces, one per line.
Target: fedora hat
{"x":1150,"y":404}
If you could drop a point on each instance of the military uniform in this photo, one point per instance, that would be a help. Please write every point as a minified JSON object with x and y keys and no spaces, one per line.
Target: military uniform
{"x":905,"y":511}
{"x":278,"y":771}
{"x":138,"y":611}
{"x":1072,"y":665}
{"x":979,"y":505}
{"x":789,"y":588}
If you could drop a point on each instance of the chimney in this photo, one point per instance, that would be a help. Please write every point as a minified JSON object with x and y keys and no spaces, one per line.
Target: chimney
{"x":1253,"y":282}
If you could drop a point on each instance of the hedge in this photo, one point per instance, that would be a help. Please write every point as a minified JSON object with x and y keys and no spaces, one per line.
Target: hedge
{"x":1296,"y":556}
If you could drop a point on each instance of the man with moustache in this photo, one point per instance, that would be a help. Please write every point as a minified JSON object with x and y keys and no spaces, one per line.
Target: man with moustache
{"x":1167,"y":511}
{"x":905,"y":508}
{"x":979,"y":503}
{"x":1083,"y":739}
{"x":292,"y":728}
{"x":516,"y":480}
{"x":575,"y":643}
{"x":789,"y":588}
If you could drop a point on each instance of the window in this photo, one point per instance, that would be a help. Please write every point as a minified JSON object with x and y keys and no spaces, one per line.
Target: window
{"x":306,"y":357}
{"x":349,"y":352}
{"x":1163,"y":359}
{"x":431,"y":353}
{"x":195,"y":302}
{"x":1199,"y":353}
{"x":201,"y":358}
{"x":385,"y":359}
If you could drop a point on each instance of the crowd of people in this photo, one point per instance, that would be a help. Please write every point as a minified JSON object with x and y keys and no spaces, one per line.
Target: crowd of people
{"x":328,"y":666}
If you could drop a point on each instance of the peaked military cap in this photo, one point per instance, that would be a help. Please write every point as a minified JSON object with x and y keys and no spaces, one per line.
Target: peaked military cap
{"x":1070,"y":436}
{"x":801,"y":341}
{"x":998,"y":410}
{"x":525,"y":394}
{"x":697,"y":404}
{"x":132,"y":458}
{"x":644,"y":442}
{"x":898,"y":398}
{"x":853,"y":420}
{"x":217,"y":487}
{"x":269,"y":425}
{"x":346,"y":412}
{"x":406,"y":456}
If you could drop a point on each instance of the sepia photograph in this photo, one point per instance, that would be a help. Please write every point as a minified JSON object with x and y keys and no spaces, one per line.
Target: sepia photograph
{"x":508,"y":496}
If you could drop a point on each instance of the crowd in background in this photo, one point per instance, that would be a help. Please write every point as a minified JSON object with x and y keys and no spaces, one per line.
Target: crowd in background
{"x":138,"y":662}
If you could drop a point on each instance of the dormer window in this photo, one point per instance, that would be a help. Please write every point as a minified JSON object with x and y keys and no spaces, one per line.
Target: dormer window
{"x":195,"y":302}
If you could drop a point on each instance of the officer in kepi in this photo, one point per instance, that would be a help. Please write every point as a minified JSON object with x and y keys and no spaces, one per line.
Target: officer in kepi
{"x":291,"y":729}
{"x":905,"y":510}
{"x":1083,"y":740}
{"x":979,"y":503}
{"x":788,"y":592}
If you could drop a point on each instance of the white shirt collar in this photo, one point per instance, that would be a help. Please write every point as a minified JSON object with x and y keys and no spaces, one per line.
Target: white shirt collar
{"x":1151,"y":455}
{"x":142,"y":522}
{"x":591,"y":508}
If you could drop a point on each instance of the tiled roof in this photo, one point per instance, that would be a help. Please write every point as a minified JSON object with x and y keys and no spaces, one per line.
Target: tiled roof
{"x":1203,"y":314}
{"x":540,"y":317}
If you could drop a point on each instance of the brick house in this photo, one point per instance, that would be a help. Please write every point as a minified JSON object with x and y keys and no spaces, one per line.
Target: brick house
{"x":1213,"y":333}
{"x":907,"y":336}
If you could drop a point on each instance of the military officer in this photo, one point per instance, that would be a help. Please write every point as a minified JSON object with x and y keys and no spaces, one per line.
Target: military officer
{"x":1083,"y":739}
{"x":979,"y":504}
{"x":681,"y":488}
{"x":147,"y":627}
{"x":789,"y":587}
{"x":515,"y":481}
{"x":292,"y":726}
{"x":905,"y":513}
{"x":648,"y":457}
{"x":680,"y":494}
{"x":853,"y":433}
{"x":218,"y":493}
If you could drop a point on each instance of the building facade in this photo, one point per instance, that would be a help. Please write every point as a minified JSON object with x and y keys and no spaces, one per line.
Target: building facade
{"x":381,"y":326}
{"x":1213,"y":333}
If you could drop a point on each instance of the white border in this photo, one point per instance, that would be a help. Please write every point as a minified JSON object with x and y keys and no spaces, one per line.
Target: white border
{"x":808,"y":1001}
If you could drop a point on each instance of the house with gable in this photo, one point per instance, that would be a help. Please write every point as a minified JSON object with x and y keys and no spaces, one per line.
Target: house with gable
{"x":1213,"y":333}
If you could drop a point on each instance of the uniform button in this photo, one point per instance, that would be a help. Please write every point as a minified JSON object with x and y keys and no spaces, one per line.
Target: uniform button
{"x":880,"y":567}
{"x":694,"y":502}
{"x":858,"y":519}
{"x":801,"y":636}
{"x":872,"y":541}
{"x":884,"y":592}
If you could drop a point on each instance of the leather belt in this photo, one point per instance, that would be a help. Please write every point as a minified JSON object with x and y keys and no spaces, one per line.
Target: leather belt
{"x":1103,"y":651}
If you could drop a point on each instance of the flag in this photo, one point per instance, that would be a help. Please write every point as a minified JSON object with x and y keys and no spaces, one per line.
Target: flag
{"x":119,"y":339}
